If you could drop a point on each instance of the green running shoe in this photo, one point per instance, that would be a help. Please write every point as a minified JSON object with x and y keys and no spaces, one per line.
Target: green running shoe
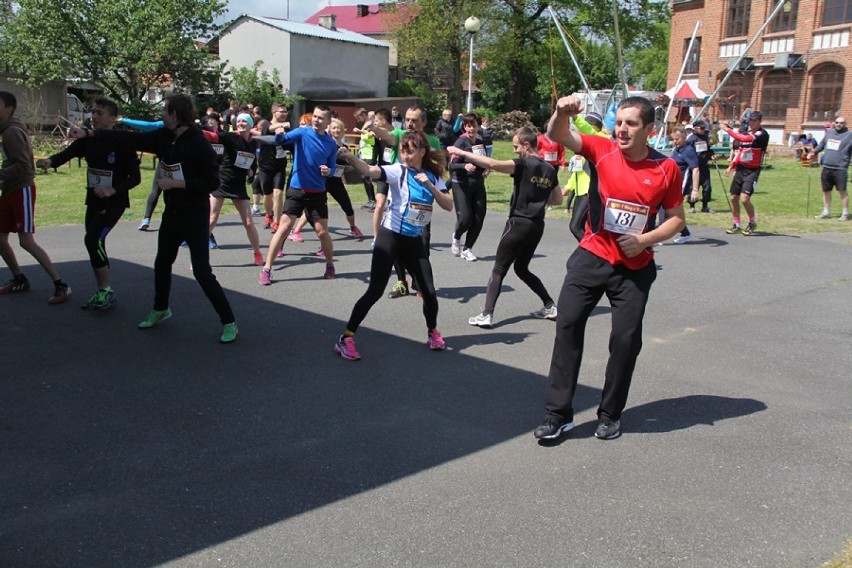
{"x":229,"y":333}
{"x":155,"y":317}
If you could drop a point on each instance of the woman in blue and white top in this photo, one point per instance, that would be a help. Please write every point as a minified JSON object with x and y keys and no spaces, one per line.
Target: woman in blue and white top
{"x":400,"y":216}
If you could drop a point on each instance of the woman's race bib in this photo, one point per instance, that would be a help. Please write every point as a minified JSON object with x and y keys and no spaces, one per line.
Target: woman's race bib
{"x":419,"y":214}
{"x":98,"y":178}
{"x":479,"y":150}
{"x":170,"y":171}
{"x":280,"y":153}
{"x":624,"y":217}
{"x":244,"y":160}
{"x":218,"y":148}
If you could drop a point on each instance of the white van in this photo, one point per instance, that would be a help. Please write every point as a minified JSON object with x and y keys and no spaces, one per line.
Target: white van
{"x":77,"y":112}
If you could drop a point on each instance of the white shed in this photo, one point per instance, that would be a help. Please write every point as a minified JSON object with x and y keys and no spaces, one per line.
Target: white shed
{"x":315,"y":62}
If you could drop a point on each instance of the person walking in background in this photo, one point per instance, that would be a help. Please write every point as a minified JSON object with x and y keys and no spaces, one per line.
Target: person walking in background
{"x":468,"y":182}
{"x":700,"y":142}
{"x":17,"y":203}
{"x":837,"y":145}
{"x":687,"y":161}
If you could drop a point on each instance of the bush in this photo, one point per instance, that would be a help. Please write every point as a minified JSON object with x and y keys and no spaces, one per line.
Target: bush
{"x":506,"y":124}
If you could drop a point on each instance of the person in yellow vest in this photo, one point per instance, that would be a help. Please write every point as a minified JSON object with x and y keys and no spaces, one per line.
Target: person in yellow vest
{"x":580,"y":169}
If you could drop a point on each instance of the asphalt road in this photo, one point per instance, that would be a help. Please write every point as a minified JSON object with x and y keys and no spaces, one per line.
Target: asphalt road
{"x":121,"y":447}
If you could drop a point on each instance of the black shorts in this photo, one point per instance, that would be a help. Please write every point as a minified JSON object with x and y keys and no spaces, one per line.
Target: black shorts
{"x":313,"y":203}
{"x":834,"y":178}
{"x":745,"y":181}
{"x":271,"y":180}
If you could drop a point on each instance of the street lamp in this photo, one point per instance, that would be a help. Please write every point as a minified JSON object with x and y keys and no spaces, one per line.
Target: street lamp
{"x":471,"y":26}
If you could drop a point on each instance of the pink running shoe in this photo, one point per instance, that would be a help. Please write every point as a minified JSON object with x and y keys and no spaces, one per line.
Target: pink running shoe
{"x":435,"y":341}
{"x":296,"y":237}
{"x":265,"y":277}
{"x":345,"y":347}
{"x":355,"y":232}
{"x":258,"y":259}
{"x":320,"y":252}
{"x":280,"y":253}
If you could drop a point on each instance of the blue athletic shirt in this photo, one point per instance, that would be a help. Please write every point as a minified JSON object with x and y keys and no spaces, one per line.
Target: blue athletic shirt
{"x":409,"y":206}
{"x":311,"y":150}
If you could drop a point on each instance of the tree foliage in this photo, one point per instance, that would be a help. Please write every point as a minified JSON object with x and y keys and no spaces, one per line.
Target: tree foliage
{"x":250,"y":84}
{"x":123,"y":46}
{"x":521,"y":56}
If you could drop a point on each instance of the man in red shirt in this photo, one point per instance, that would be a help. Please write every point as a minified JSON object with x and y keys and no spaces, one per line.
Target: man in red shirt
{"x":615,"y":257}
{"x":551,"y":152}
{"x":753,"y":146}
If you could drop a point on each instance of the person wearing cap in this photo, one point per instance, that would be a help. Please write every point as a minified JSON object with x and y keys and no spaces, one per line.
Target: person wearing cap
{"x":581,"y":174}
{"x":700,"y":141}
{"x":753,"y":144}
{"x":237,"y":160}
{"x":615,"y":257}
{"x":837,"y":145}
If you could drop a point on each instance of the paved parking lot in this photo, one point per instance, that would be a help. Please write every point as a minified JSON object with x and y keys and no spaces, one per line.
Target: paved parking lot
{"x":163,"y":448}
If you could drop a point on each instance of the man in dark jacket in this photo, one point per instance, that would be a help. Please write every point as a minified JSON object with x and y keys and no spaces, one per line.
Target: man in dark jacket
{"x":444,"y":129}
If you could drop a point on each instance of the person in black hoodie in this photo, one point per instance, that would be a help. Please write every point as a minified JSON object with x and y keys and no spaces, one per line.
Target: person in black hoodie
{"x":187,"y":174}
{"x":112,"y":171}
{"x":468,"y":189}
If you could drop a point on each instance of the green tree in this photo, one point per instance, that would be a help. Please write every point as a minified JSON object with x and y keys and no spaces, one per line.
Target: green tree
{"x":250,"y":84}
{"x":430,"y":47}
{"x":123,"y":46}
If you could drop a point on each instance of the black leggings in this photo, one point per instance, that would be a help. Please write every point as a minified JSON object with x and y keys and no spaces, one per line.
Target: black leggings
{"x":369,"y":189}
{"x":517,"y":245}
{"x":411,"y":252}
{"x":426,"y":237}
{"x":470,"y":202}
{"x":99,"y":222}
{"x":335,"y":188}
{"x":153,"y":197}
{"x":190,"y":224}
{"x":579,"y":216}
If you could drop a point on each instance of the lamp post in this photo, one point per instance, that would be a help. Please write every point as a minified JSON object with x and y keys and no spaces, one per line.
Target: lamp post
{"x":471,"y":26}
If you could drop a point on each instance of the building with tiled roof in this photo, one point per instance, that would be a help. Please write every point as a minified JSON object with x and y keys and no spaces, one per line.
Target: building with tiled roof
{"x":377,"y":21}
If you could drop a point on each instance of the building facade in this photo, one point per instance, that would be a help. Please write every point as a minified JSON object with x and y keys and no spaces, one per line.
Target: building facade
{"x":798,"y":74}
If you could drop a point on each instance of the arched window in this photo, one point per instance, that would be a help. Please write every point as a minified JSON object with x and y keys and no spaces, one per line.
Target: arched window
{"x":775,"y":96}
{"x":826,"y":91}
{"x":735,"y":96}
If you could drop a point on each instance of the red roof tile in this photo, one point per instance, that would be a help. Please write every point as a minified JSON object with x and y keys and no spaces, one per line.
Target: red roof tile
{"x":379,"y":18}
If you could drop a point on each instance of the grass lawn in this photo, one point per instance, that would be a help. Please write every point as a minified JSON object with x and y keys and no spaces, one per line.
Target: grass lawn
{"x":783,"y":201}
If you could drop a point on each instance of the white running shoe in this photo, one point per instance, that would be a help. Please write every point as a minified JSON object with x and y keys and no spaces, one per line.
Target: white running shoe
{"x":683,"y":239}
{"x":482,"y":320}
{"x":455,"y":247}
{"x":546,"y":313}
{"x":467,"y":255}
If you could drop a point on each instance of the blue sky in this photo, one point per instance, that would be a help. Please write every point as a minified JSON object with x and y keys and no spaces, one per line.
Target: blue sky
{"x":299,"y":9}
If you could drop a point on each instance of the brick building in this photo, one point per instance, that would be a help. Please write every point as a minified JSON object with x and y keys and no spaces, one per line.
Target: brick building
{"x":799,"y":73}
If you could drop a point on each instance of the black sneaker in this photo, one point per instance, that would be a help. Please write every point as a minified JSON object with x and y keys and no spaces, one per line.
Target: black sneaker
{"x":17,"y":284}
{"x":608,"y":429}
{"x":552,"y":428}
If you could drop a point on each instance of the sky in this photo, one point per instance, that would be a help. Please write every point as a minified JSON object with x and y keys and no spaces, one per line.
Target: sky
{"x":299,"y":9}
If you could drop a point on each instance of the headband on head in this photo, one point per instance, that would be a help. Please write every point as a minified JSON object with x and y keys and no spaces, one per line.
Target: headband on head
{"x":247,"y":118}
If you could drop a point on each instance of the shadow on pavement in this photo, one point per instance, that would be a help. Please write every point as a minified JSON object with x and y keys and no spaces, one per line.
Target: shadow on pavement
{"x":132,"y":448}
